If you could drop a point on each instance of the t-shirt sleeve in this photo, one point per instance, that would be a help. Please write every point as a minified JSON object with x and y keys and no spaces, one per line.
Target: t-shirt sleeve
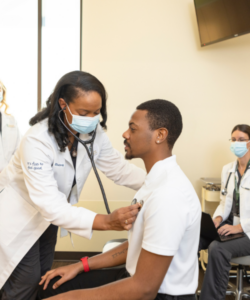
{"x":165,"y":223}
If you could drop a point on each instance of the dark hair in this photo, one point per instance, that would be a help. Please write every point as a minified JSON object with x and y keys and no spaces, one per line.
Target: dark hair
{"x":242,"y":127}
{"x":68,"y":88}
{"x":163,"y":114}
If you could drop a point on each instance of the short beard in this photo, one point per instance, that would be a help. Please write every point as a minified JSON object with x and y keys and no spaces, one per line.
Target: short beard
{"x":129,"y":157}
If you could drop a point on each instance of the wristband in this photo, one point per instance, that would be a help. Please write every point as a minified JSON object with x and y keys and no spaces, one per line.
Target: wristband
{"x":85,"y":264}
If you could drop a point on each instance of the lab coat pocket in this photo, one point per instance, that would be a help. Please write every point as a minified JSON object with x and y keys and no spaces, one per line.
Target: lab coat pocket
{"x":16,"y":214}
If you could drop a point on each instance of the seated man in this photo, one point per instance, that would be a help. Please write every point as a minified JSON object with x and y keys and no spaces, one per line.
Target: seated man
{"x":161,"y":252}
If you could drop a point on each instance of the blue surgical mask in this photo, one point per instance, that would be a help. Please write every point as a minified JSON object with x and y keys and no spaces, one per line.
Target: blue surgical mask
{"x":1,"y":96}
{"x":239,"y":148}
{"x":83,"y":124}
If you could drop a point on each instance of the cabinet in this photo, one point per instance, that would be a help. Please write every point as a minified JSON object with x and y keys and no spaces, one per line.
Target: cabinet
{"x":210,"y":198}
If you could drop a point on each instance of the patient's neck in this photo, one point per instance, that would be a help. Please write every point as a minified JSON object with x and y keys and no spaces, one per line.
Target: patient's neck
{"x":153,"y":157}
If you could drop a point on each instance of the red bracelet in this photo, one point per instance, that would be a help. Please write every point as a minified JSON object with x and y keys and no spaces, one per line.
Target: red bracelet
{"x":85,"y":264}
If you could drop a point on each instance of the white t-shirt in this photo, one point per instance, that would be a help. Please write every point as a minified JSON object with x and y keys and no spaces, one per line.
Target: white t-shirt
{"x":169,"y":225}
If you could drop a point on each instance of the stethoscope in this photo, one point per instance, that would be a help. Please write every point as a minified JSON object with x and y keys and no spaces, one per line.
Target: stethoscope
{"x":91,"y":157}
{"x":224,"y":191}
{"x":134,"y":201}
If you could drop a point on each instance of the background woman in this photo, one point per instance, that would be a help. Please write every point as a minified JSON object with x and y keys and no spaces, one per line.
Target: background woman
{"x":47,"y":175}
{"x":9,"y":133}
{"x":231,"y":216}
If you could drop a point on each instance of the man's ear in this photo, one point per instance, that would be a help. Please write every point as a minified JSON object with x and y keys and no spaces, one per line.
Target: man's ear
{"x":161,"y":136}
{"x":62,"y":103}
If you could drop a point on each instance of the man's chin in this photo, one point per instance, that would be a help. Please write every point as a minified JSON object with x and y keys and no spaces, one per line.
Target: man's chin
{"x":128,"y":156}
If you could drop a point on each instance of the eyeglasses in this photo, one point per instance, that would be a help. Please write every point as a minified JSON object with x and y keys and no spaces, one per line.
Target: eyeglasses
{"x":239,"y":140}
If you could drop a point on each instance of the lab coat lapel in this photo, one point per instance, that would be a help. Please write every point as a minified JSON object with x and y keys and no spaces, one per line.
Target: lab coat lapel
{"x":70,"y":173}
{"x":67,"y":157}
{"x":4,"y":134}
{"x":246,"y":178}
{"x":2,"y":154}
{"x":232,"y":170}
{"x":81,"y":151}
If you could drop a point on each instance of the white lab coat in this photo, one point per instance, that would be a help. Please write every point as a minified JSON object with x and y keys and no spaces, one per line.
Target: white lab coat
{"x":36,"y":184}
{"x":9,"y":139}
{"x":226,"y":202}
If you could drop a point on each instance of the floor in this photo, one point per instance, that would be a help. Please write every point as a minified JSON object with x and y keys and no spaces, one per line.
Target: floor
{"x":58,"y":264}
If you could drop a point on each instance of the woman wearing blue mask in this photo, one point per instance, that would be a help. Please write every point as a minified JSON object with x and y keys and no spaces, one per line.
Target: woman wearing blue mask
{"x":9,"y":132}
{"x":232,"y":216}
{"x":46,"y":177}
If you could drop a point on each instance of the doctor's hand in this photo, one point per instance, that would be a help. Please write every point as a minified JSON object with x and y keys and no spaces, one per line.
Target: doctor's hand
{"x":217,"y":221}
{"x":67,"y":273}
{"x":230,"y":229}
{"x":120,"y":219}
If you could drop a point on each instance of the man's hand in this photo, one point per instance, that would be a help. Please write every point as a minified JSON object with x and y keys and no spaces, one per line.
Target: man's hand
{"x":217,"y":221}
{"x":120,"y":219}
{"x":230,"y":229}
{"x":67,"y":273}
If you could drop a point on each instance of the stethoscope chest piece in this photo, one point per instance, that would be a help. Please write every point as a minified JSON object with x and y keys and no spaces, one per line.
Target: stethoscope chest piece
{"x":134,"y":201}
{"x":224,"y":192}
{"x":142,"y":202}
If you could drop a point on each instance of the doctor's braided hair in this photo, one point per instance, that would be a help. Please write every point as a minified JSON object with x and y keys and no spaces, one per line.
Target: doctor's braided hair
{"x":69,"y":88}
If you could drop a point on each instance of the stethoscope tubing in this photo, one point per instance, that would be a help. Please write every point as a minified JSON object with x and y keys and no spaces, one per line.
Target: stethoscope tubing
{"x":224,"y":191}
{"x":91,"y":157}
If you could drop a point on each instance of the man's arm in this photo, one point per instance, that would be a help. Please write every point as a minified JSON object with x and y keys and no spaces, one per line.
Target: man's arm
{"x":114,"y":257}
{"x":144,"y":285}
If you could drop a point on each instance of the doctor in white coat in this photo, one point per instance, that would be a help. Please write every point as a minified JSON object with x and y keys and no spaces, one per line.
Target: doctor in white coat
{"x":46,"y":176}
{"x":9,"y":132}
{"x":231,"y":216}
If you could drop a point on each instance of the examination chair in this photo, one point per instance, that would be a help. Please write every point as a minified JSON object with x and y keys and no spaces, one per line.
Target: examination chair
{"x":237,"y":290}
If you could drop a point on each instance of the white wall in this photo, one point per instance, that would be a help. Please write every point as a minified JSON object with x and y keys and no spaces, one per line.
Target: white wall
{"x":147,"y":49}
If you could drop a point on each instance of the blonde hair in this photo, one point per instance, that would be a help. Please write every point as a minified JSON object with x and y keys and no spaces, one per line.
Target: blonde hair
{"x":3,"y":102}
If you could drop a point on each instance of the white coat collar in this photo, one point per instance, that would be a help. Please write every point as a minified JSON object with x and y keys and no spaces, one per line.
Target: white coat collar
{"x":7,"y":120}
{"x":81,"y":152}
{"x":159,"y":167}
{"x":233,"y":168}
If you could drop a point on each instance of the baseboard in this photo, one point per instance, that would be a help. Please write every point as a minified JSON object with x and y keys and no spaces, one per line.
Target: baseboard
{"x":72,"y":255}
